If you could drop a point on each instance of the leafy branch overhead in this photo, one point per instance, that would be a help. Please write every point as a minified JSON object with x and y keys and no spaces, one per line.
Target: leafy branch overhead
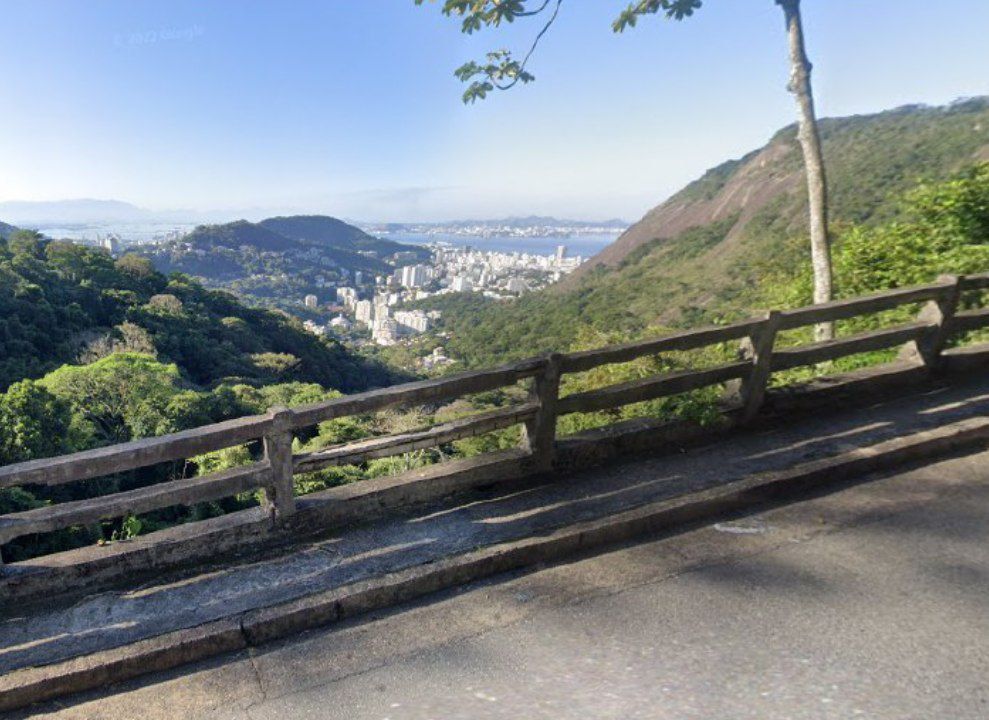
{"x":500,"y":70}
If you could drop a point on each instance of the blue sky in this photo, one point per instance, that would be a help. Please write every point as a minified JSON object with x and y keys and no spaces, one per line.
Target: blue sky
{"x":349,"y":107}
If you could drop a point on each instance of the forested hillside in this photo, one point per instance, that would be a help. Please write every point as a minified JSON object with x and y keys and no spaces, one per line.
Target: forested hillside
{"x":64,"y":303}
{"x":704,"y":254}
{"x":279,"y":261}
{"x":324,"y":231}
{"x":239,"y":249}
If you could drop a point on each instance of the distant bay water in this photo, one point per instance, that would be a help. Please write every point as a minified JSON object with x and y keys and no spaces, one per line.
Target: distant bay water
{"x":583,"y":245}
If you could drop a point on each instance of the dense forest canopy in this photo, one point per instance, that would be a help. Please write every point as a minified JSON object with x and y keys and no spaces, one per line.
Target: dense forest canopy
{"x":64,"y":303}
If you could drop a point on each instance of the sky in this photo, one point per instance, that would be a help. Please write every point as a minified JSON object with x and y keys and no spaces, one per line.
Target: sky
{"x":350,"y":107}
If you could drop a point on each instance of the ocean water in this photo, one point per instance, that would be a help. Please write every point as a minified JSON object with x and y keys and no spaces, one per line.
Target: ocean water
{"x":583,"y":245}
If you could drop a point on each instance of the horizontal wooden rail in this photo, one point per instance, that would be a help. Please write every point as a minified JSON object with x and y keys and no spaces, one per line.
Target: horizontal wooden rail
{"x":650,"y":388}
{"x":388,"y":445}
{"x":424,"y":391}
{"x":135,"y":454}
{"x":819,"y":352}
{"x":589,"y":359}
{"x":133,"y":502}
{"x":925,"y":339}
{"x":975,"y":282}
{"x":842,"y":309}
{"x":966,"y":320}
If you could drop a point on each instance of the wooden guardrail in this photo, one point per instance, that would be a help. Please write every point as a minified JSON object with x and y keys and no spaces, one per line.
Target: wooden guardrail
{"x":746,"y":377}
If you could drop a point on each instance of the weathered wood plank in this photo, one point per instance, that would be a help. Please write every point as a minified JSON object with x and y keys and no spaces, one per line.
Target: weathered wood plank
{"x":135,"y":454}
{"x":154,"y":497}
{"x":841,"y":309}
{"x":539,"y":432}
{"x":966,"y":320}
{"x":379,"y":447}
{"x":814,"y":353}
{"x":938,"y":315}
{"x":650,"y":388}
{"x":589,"y":359}
{"x":279,"y":491}
{"x":759,"y":349}
{"x":423,"y":391}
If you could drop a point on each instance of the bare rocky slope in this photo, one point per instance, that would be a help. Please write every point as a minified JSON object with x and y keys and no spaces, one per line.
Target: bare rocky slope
{"x":870,"y":158}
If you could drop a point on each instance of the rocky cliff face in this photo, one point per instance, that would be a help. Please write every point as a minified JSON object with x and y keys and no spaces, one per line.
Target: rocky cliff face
{"x":870,"y":159}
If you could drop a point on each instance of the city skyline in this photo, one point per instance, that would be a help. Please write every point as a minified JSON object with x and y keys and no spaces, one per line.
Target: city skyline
{"x":352,"y":110}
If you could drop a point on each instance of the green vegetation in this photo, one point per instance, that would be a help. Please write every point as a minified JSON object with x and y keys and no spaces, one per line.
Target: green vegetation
{"x":278,"y":261}
{"x":62,"y":303}
{"x":158,"y":354}
{"x":122,"y":397}
{"x":743,"y":222}
{"x":322,"y":231}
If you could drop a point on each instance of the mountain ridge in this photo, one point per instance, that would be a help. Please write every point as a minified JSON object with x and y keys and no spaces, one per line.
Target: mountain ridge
{"x":749,"y":184}
{"x":702,"y":255}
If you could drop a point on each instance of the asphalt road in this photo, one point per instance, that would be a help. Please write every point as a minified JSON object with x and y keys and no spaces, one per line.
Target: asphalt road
{"x":868,"y":603}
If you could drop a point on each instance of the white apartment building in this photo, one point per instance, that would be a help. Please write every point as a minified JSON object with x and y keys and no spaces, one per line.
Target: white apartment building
{"x":311,"y":301}
{"x":364,"y":311}
{"x":414,"y":276}
{"x":347,"y":295}
{"x":385,"y":331}
{"x":411,"y":321}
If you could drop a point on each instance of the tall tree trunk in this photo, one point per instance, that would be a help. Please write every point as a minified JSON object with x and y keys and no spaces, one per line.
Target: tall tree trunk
{"x":810,"y":142}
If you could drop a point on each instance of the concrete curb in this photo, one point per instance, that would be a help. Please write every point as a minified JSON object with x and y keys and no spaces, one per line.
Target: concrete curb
{"x":255,"y":627}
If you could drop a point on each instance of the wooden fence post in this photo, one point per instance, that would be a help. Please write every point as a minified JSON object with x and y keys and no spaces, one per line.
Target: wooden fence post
{"x":539,"y":433}
{"x":279,"y":492}
{"x":939,"y":314}
{"x":757,"y":347}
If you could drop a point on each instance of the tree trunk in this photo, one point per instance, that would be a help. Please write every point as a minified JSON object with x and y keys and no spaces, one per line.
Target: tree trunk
{"x":810,"y":143}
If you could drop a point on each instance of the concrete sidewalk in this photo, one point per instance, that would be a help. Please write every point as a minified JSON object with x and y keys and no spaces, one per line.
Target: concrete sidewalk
{"x":872,"y":602}
{"x":114,"y":619}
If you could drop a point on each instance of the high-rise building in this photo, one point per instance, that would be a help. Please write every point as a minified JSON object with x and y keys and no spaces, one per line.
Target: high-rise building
{"x":364,"y":311}
{"x":110,"y":243}
{"x":311,"y":301}
{"x":414,"y":276}
{"x":347,"y":295}
{"x":462,"y":284}
{"x":516,"y":285}
{"x":561,"y":252}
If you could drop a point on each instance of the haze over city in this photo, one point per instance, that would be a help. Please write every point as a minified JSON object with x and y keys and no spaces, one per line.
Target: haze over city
{"x":229,"y":109}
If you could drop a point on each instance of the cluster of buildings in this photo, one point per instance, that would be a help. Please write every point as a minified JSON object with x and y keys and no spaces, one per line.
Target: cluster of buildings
{"x":380,"y":314}
{"x":496,"y":274}
{"x":382,"y":309}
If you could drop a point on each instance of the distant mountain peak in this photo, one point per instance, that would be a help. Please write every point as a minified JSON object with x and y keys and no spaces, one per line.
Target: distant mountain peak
{"x":79,"y":210}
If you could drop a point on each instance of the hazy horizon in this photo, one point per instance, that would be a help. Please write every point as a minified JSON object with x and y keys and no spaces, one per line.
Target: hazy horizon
{"x":222,"y":110}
